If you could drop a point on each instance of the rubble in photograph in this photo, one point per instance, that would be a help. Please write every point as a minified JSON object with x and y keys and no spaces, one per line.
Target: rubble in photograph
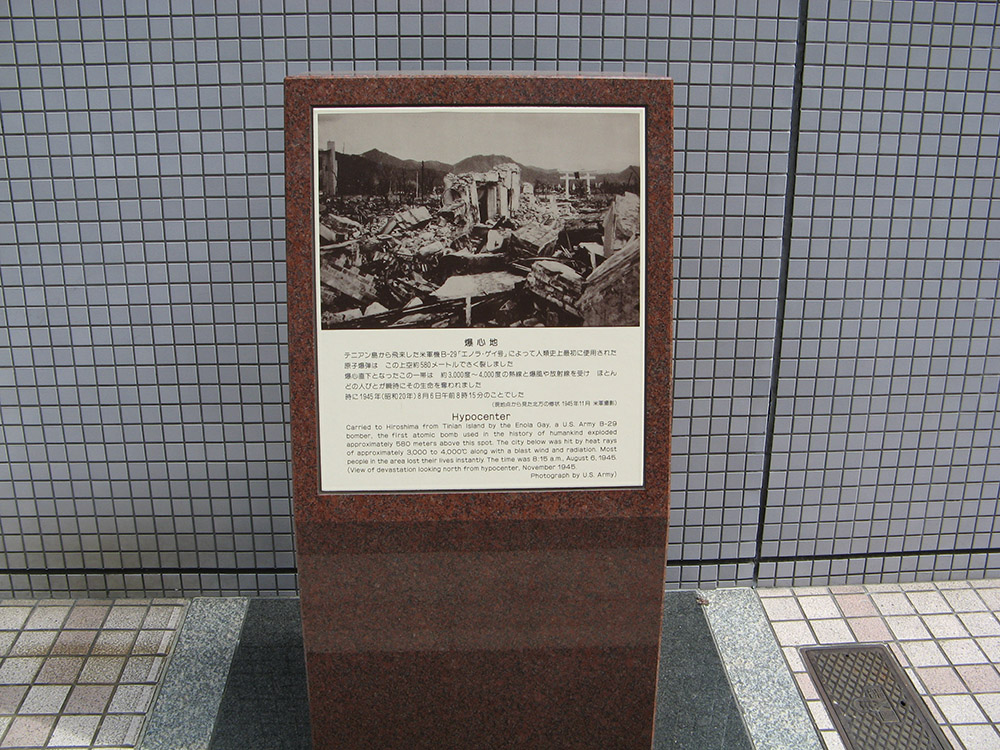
{"x":476,"y":248}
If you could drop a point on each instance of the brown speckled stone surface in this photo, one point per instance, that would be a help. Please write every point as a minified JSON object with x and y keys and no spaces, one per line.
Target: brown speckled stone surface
{"x":480,"y":619}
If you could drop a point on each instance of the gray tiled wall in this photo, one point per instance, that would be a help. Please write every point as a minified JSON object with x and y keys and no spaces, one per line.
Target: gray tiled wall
{"x":841,"y":336}
{"x":887,"y":435}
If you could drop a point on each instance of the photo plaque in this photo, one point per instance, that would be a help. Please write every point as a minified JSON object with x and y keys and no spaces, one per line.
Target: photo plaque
{"x":479,"y":301}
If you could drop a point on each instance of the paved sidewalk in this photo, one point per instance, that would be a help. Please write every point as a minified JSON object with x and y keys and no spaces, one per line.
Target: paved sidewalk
{"x":181,"y":674}
{"x":946,"y":635}
{"x":81,"y":673}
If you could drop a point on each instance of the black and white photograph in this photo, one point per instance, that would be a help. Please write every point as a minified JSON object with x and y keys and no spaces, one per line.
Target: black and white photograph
{"x":469,"y":217}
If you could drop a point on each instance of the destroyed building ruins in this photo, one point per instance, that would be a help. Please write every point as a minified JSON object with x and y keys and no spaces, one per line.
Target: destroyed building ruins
{"x":484,"y":249}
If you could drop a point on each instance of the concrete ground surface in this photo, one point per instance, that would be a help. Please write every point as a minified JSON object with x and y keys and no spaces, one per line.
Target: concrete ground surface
{"x":220,"y":673}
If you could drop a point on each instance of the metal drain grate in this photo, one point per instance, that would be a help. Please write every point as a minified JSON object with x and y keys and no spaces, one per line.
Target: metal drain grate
{"x":870,"y":699}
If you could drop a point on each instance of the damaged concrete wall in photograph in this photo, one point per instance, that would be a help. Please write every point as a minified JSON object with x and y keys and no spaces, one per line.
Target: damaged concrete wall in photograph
{"x":486,"y":195}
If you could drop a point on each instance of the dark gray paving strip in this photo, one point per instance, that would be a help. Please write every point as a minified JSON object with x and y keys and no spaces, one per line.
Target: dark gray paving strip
{"x":266,"y":705}
{"x":775,"y":714}
{"x":695,"y":706}
{"x":188,"y":703}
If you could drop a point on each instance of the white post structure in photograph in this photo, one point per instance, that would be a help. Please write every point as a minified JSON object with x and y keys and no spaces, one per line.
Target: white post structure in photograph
{"x":567,"y":177}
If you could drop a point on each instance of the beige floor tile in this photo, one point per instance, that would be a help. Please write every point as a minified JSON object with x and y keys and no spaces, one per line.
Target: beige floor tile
{"x":28,"y":731}
{"x":74,"y":731}
{"x":88,"y":699}
{"x":153,"y":642}
{"x":980,"y":623}
{"x":952,"y":738}
{"x":13,"y":618}
{"x":118,"y":730}
{"x":918,"y":586}
{"x":816,"y":607}
{"x":928,"y":602}
{"x":991,"y":647}
{"x":793,"y":659}
{"x":963,"y":651}
{"x":60,"y":670}
{"x":782,"y":608}
{"x":47,"y":618}
{"x":86,"y":616}
{"x":907,"y":628}
{"x":990,"y":703}
{"x":898,"y":652}
{"x":20,"y":670}
{"x":965,"y":600}
{"x":34,"y":642}
{"x":981,"y":678}
{"x":990,"y":596}
{"x":44,"y":699}
{"x":10,"y":697}
{"x":794,"y":633}
{"x":125,"y":617}
{"x":765,"y":593}
{"x":941,"y":680}
{"x":819,"y":714}
{"x":809,"y":590}
{"x":856,"y":605}
{"x":847,"y":588}
{"x":960,"y":709}
{"x":102,"y":669}
{"x":114,"y":642}
{"x":74,"y":642}
{"x":923,"y":654}
{"x":945,"y":626}
{"x":911,"y":675}
{"x":131,"y":699}
{"x":869,"y":629}
{"x":883,"y":587}
{"x":832,"y":631}
{"x":160,"y":617}
{"x":806,"y":686}
{"x":935,"y":712}
{"x":893,"y":603}
{"x":139,"y":669}
{"x":978,"y":737}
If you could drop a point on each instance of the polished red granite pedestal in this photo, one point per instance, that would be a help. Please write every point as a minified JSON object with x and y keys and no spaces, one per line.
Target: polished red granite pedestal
{"x":481,"y":620}
{"x":482,"y":634}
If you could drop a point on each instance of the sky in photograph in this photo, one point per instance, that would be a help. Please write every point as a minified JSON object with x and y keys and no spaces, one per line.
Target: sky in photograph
{"x":599,"y":141}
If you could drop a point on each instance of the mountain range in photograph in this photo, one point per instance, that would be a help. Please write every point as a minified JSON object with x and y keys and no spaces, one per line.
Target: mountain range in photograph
{"x":376,"y":172}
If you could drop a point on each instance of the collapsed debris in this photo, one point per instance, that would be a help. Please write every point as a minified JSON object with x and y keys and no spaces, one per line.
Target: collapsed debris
{"x":610,"y":298}
{"x":557,"y":284}
{"x":484,"y":250}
